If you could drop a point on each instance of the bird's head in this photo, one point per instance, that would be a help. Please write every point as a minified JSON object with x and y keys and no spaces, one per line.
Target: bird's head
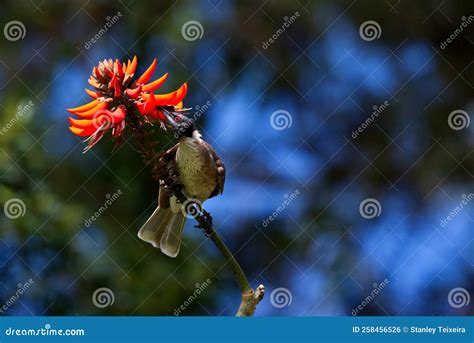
{"x":180,"y":123}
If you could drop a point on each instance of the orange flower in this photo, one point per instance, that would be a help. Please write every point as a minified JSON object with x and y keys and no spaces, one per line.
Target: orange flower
{"x":115,"y":94}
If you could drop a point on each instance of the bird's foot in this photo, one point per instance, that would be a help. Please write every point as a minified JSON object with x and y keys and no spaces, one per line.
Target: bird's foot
{"x":205,"y":223}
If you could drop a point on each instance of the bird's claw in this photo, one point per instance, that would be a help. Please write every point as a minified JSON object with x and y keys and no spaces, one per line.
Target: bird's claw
{"x":204,"y":223}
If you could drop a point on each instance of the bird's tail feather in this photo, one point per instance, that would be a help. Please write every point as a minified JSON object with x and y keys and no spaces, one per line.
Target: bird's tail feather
{"x":154,"y":227}
{"x":170,"y":242}
{"x":163,"y":230}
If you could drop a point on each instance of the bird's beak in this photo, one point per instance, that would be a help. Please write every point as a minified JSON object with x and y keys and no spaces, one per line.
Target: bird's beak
{"x":171,"y":123}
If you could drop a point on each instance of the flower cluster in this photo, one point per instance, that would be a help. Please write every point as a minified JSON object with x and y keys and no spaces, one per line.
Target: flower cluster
{"x":116,"y":93}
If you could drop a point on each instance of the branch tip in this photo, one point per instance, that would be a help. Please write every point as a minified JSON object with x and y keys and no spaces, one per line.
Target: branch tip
{"x":250,"y":300}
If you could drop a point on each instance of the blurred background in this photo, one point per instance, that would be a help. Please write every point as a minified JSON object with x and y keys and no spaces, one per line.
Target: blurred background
{"x":344,"y":127}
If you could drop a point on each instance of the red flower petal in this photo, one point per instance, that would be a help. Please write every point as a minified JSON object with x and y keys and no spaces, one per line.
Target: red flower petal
{"x":180,"y":94}
{"x":132,"y":66}
{"x":92,"y":94}
{"x":147,"y":107}
{"x":113,"y":117}
{"x":89,"y":114}
{"x":133,"y":92}
{"x":93,"y":83}
{"x":118,"y":68}
{"x":172,"y":98}
{"x":109,"y":71}
{"x":81,"y":123}
{"x":158,"y":115}
{"x":83,"y":108}
{"x":116,"y":88}
{"x":145,"y":77}
{"x":118,"y":115}
{"x":83,"y":132}
{"x":97,"y":73}
{"x":150,"y":87}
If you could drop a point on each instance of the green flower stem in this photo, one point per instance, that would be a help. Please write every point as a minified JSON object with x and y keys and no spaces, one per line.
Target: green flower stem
{"x":239,"y":273}
{"x":250,"y":298}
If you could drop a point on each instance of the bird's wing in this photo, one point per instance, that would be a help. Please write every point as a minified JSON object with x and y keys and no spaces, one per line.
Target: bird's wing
{"x":220,"y":171}
{"x":169,"y":156}
{"x":163,"y":198}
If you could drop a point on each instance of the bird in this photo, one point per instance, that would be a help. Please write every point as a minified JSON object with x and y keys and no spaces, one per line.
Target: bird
{"x":200,"y":172}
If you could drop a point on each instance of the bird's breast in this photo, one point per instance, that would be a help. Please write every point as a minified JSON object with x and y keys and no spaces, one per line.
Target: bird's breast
{"x":197,"y":169}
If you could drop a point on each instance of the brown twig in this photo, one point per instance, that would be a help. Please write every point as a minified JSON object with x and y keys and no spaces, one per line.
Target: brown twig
{"x":250,"y":300}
